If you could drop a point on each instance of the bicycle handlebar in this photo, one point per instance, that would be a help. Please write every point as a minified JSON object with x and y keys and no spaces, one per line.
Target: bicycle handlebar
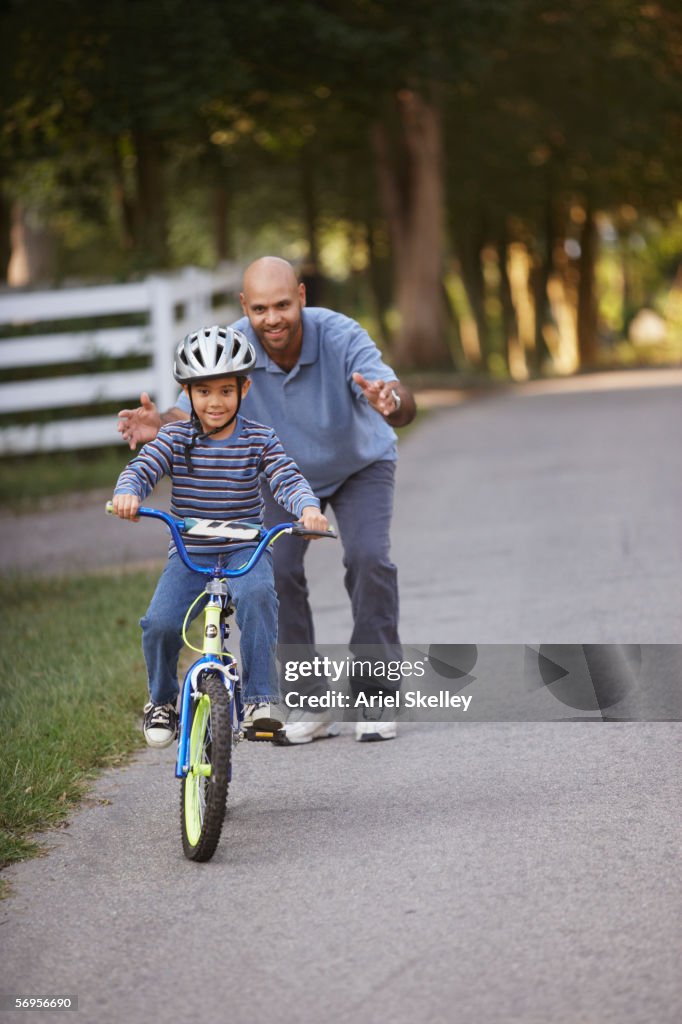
{"x":266,"y":537}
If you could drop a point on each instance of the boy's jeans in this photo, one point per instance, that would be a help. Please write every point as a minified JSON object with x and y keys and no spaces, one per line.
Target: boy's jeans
{"x":256,"y":613}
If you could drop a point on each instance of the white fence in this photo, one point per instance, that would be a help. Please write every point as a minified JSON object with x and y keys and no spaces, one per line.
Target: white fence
{"x":169,"y":305}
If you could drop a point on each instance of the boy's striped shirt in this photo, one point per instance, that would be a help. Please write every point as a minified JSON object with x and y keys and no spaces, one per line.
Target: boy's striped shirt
{"x":224,"y":484}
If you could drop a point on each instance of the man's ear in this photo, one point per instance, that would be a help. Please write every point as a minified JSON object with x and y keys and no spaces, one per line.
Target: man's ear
{"x":242,"y":302}
{"x":301,"y":293}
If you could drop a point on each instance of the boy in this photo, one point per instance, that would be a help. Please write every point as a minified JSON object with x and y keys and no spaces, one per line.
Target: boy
{"x":215,"y":460}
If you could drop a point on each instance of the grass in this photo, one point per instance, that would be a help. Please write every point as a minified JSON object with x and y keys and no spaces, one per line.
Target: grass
{"x":31,"y":478}
{"x":72,"y":684}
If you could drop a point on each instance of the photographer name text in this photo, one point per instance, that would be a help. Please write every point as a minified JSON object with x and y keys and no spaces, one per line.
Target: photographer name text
{"x":409,"y":699}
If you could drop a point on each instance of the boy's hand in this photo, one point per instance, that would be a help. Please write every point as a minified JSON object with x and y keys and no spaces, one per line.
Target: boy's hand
{"x":312,"y":519}
{"x":125,"y":506}
{"x":139,"y":425}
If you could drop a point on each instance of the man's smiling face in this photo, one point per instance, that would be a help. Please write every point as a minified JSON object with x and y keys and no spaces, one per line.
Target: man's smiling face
{"x":272,"y":299}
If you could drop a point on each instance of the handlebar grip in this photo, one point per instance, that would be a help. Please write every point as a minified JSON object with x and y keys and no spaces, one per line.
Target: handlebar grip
{"x":299,"y":530}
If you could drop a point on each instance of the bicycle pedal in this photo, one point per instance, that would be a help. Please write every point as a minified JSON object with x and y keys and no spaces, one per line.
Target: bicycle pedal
{"x":261,"y":735}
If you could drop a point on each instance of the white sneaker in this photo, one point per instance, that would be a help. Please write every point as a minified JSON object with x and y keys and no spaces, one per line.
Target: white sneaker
{"x":266,"y":718}
{"x":366,"y":732}
{"x":318,"y":728}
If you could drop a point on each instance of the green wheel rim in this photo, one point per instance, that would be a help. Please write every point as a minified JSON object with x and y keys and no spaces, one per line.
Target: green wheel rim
{"x":203,"y":794}
{"x":199,"y":770}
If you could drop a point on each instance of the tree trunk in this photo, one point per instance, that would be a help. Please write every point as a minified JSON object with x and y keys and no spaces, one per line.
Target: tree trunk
{"x":151,"y":227}
{"x":469,"y":248}
{"x":633,"y":297}
{"x":379,"y":282}
{"x":411,"y":185}
{"x":310,"y":272}
{"x":587,"y":303}
{"x":309,"y":203}
{"x":32,"y":259}
{"x":459,"y":356}
{"x":542,"y":273}
{"x":510,"y":323}
{"x":221,"y":217}
{"x":124,"y":206}
{"x":5,"y":228}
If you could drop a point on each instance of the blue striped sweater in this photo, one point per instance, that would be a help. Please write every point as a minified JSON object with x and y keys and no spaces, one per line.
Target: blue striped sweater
{"x":224,"y":483}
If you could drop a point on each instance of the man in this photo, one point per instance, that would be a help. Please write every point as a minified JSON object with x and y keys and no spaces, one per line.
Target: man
{"x":319,"y":381}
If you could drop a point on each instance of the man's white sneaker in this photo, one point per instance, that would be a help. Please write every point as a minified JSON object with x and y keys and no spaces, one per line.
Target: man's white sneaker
{"x":366,"y":732}
{"x":305,"y":732}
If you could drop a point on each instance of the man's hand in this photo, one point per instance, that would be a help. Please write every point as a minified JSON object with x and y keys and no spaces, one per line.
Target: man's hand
{"x":312,"y":519}
{"x":379,"y":394}
{"x":139,"y":425}
{"x":125,"y":506}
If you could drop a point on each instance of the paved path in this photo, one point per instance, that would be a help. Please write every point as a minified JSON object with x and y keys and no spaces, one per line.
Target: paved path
{"x":488,"y":872}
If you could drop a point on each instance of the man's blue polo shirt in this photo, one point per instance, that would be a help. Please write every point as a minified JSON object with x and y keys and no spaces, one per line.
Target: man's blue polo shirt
{"x":320,"y":415}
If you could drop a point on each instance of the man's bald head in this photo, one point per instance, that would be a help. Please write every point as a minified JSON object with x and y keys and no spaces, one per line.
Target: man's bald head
{"x":269,"y":271}
{"x":273,"y":299}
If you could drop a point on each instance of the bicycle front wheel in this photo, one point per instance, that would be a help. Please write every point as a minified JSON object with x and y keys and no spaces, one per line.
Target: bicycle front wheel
{"x":203,"y":795}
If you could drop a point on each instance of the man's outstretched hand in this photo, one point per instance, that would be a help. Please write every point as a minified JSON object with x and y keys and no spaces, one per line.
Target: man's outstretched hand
{"x":378,"y":393}
{"x":381,"y":395}
{"x":137,"y":426}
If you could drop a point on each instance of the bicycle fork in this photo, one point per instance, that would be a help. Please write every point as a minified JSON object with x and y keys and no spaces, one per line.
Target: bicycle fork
{"x":211,"y":660}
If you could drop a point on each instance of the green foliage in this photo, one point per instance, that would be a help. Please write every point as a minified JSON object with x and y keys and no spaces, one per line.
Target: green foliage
{"x":126,"y":123}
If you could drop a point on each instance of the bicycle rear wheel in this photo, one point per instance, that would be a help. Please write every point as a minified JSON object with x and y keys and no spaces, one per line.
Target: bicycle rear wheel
{"x":203,"y":795}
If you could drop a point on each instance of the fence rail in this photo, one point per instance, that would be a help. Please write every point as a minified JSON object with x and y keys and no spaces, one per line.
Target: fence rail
{"x":170,"y":306}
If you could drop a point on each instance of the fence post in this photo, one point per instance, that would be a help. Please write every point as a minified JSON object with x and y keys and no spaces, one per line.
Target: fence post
{"x":163,"y":330}
{"x":198,"y":306}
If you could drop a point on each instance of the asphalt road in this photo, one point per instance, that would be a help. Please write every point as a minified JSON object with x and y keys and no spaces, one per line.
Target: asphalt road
{"x":482,"y":871}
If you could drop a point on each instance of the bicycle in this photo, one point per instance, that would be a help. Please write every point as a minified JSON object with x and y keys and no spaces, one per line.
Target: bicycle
{"x":211,"y":706}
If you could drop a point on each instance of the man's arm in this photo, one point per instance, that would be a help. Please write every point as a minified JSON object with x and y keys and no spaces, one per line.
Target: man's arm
{"x":381,"y":395}
{"x":137,"y":426}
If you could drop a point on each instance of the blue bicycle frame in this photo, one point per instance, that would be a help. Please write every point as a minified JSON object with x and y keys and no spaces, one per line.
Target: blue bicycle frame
{"x":216,"y":589}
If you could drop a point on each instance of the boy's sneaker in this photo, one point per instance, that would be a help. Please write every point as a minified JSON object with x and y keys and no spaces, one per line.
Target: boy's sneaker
{"x":315,"y":727}
{"x":366,"y":732}
{"x":160,"y":725}
{"x":261,"y":718}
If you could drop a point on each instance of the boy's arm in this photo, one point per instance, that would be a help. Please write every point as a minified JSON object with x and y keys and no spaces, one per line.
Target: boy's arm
{"x":141,"y":475}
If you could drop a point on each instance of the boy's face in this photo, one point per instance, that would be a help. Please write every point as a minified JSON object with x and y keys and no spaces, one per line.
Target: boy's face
{"x":215,"y":401}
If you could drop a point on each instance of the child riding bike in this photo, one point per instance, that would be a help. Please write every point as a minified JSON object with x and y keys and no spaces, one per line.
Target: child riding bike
{"x":214,"y":460}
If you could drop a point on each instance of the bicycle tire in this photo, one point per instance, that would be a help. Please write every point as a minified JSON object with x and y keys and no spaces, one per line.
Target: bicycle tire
{"x":203,"y":794}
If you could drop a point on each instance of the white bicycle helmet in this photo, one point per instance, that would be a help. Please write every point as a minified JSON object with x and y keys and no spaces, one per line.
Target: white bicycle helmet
{"x":213,"y":352}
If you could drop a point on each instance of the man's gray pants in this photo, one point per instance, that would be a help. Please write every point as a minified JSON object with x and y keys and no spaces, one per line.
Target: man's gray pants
{"x":363,"y":508}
